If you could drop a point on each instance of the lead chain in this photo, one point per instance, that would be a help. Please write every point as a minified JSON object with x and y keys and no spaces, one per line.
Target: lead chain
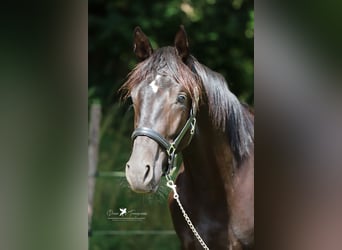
{"x":173,"y":186}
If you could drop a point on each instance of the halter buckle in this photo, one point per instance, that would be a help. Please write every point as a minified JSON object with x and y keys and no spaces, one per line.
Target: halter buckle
{"x":193,"y":126}
{"x":171,"y":150}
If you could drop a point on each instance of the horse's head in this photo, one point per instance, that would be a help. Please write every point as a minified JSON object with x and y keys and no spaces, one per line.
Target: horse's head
{"x":164,"y":93}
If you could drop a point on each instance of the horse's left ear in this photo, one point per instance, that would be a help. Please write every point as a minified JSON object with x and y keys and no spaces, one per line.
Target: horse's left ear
{"x":182,"y":44}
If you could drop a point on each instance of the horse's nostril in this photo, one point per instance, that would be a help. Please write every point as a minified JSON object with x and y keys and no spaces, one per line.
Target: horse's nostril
{"x":127,"y":166}
{"x":148,"y":168}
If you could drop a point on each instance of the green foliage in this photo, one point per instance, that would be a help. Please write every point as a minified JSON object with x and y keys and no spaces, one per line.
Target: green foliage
{"x":220,"y":33}
{"x":221,"y":36}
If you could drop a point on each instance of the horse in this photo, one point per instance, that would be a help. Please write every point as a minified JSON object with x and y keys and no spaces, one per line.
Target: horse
{"x":182,"y":106}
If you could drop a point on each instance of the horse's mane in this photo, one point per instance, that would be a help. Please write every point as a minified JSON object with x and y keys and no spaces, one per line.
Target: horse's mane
{"x":226,"y":111}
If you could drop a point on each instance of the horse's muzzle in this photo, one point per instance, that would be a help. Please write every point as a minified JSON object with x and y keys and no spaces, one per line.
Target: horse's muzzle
{"x":144,"y":168}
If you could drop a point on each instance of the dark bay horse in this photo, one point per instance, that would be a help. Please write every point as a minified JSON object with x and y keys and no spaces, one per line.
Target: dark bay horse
{"x":181,"y":106}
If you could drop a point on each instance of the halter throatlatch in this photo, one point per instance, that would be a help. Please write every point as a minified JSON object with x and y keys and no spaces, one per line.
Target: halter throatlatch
{"x":170,"y":148}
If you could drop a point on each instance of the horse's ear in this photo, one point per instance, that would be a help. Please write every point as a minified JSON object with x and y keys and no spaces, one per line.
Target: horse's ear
{"x":182,"y":44}
{"x":142,"y":46}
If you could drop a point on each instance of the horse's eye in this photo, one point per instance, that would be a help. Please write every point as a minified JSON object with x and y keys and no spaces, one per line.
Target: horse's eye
{"x":181,"y":99}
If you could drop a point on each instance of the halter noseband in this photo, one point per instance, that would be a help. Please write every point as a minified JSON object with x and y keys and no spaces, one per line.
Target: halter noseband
{"x":170,"y":148}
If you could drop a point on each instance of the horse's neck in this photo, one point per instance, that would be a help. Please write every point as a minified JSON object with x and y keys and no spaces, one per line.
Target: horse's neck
{"x":208,"y":161}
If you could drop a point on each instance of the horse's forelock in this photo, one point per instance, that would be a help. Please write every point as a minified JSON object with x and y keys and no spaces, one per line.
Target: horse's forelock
{"x":165,"y":62}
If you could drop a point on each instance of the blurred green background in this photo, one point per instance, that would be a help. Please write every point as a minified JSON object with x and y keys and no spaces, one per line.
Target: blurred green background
{"x":221,"y":35}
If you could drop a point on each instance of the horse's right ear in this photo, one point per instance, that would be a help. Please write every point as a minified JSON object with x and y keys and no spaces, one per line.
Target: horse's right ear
{"x":142,"y":46}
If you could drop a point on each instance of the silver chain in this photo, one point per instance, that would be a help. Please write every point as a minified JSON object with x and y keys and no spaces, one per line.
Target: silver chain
{"x":173,"y":186}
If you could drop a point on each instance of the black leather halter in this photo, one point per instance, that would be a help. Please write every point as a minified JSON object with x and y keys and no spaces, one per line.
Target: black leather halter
{"x":170,"y":148}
